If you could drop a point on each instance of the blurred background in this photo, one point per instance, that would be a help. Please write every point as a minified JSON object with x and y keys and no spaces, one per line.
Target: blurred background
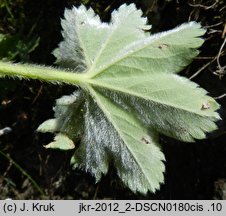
{"x":29,"y":31}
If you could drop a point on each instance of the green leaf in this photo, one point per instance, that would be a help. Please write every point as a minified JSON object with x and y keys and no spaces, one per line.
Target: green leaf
{"x":119,"y":137}
{"x":86,"y":38}
{"x":68,"y":116}
{"x":61,"y":142}
{"x":50,"y":125}
{"x":170,"y":104}
{"x":130,"y":92}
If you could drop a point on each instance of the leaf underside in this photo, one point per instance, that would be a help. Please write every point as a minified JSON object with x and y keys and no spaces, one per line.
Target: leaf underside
{"x":130,"y":93}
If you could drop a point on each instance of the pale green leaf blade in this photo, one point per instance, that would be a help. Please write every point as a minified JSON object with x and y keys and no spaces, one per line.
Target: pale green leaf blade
{"x":51,"y":125}
{"x":111,"y":134}
{"x":69,"y":116}
{"x":77,"y":51}
{"x":135,"y":94}
{"x":171,"y":104}
{"x":166,"y":52}
{"x":62,"y":142}
{"x":90,"y":43}
{"x":141,"y":143}
{"x":126,"y":26}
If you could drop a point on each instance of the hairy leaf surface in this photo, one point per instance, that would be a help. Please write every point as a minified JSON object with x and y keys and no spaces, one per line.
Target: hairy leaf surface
{"x":130,"y":92}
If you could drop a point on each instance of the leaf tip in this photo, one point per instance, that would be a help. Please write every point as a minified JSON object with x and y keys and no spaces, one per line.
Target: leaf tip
{"x":62,"y":142}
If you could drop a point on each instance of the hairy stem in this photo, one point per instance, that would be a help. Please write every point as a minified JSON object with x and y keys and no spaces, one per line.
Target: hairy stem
{"x":43,"y":73}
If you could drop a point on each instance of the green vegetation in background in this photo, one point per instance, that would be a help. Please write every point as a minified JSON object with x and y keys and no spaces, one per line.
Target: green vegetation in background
{"x":15,"y":44}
